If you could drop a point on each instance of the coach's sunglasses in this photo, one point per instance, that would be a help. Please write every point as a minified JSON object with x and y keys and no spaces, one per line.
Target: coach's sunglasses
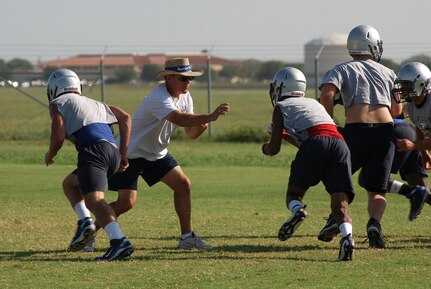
{"x":185,"y":78}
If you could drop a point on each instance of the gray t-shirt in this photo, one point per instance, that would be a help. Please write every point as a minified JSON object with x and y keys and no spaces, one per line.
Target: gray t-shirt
{"x":300,"y":113}
{"x":362,"y":81}
{"x":79,"y":111}
{"x":421,"y":117}
{"x":151,"y":132}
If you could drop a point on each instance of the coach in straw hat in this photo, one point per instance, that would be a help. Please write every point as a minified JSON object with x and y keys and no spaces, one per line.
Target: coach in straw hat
{"x":167,"y":107}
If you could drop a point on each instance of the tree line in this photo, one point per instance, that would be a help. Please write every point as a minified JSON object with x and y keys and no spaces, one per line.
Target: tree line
{"x":247,"y":71}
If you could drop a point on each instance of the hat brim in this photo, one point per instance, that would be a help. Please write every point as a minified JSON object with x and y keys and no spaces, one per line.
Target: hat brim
{"x":161,"y":74}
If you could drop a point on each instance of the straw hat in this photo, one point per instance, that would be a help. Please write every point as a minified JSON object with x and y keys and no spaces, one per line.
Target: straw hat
{"x":178,"y":66}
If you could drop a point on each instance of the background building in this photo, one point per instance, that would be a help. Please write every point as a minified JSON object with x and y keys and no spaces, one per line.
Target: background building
{"x":89,"y":65}
{"x":327,"y":51}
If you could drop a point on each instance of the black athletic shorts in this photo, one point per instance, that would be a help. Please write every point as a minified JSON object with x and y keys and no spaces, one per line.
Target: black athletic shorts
{"x":325,"y":159}
{"x":372,"y":148}
{"x":96,"y":164}
{"x":150,"y":171}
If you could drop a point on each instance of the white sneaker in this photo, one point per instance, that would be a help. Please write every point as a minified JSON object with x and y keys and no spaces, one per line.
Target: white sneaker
{"x":90,"y":245}
{"x":194,"y":242}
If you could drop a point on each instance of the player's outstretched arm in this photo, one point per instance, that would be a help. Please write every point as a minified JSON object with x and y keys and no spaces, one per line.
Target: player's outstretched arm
{"x":185,"y":119}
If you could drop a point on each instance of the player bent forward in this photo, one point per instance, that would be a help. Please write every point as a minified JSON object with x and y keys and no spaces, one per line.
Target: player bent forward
{"x":86,"y":123}
{"x":322,"y":154}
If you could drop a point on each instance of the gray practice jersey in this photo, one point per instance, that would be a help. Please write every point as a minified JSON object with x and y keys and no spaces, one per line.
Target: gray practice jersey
{"x":300,"y":113}
{"x":421,"y":117}
{"x":79,"y":111}
{"x":362,"y":81}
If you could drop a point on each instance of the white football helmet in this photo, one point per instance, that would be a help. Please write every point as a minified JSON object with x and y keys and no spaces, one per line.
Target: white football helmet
{"x":412,"y":80}
{"x":287,"y":82}
{"x":365,"y":40}
{"x":63,"y":81}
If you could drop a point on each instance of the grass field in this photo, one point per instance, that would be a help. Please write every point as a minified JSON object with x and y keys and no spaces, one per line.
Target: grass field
{"x":24,"y":119}
{"x":21,"y":118}
{"x":238,"y":205}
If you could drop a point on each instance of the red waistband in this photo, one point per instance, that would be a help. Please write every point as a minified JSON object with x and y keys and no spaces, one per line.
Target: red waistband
{"x":324,"y":130}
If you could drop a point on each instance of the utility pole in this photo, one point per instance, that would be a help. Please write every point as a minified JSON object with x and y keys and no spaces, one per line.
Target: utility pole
{"x":208,"y":55}
{"x":316,"y":71}
{"x":102,"y":75}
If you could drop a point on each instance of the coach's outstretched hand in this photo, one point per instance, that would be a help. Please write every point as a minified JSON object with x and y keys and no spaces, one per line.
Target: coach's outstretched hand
{"x":222,"y":109}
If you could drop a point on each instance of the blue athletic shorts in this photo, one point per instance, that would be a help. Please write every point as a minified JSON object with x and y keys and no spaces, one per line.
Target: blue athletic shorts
{"x":407,"y":162}
{"x":326,"y":159}
{"x":150,"y":171}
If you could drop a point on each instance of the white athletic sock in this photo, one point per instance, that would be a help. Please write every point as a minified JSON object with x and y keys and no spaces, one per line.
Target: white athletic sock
{"x":395,"y":187}
{"x":81,"y":210}
{"x":113,"y":230}
{"x":294,"y":206}
{"x":346,"y":229}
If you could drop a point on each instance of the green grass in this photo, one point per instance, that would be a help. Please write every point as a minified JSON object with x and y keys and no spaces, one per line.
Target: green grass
{"x":238,"y":205}
{"x":23,"y":119}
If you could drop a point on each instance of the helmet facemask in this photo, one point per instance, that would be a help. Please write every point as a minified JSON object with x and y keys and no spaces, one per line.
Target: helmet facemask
{"x":275,"y":92}
{"x":403,"y":91}
{"x":377,"y":51}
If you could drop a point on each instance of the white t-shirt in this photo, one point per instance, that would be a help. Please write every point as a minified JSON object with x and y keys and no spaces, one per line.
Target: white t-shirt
{"x":151,"y":133}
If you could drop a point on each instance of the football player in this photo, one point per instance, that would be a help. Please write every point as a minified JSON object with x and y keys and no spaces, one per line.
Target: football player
{"x":364,"y":86}
{"x":86,"y":122}
{"x":322,"y":154}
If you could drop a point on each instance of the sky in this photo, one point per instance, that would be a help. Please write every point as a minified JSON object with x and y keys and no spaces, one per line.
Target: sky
{"x":45,"y":30}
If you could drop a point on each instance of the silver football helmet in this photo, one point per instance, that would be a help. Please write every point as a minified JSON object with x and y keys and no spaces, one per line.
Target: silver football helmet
{"x":287,"y":82}
{"x":412,"y":80}
{"x":63,"y":81}
{"x":365,"y":40}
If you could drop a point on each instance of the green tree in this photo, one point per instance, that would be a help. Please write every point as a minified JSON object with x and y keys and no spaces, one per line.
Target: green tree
{"x":248,"y":68}
{"x":423,"y":58}
{"x":47,"y":71}
{"x":4,"y":70}
{"x":19,"y":64}
{"x":229,"y":72}
{"x":267,"y":69}
{"x":149,"y":71}
{"x":390,"y":63}
{"x":124,"y":74}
